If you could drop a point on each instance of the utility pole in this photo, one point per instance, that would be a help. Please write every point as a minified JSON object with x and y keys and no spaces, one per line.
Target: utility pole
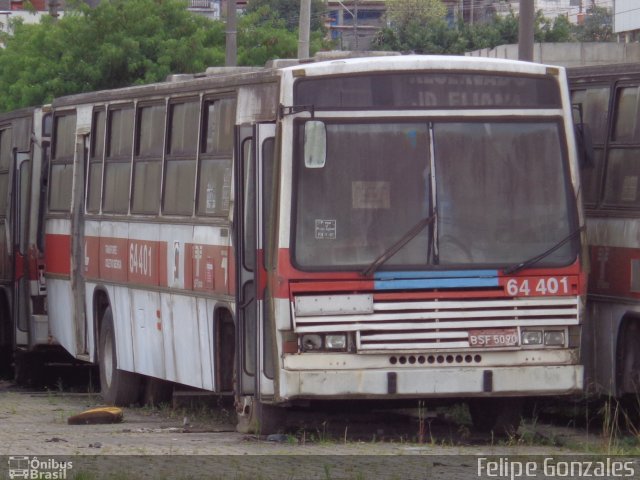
{"x":355,"y":24}
{"x":525,"y":31}
{"x":304,"y":28}
{"x":231,"y":53}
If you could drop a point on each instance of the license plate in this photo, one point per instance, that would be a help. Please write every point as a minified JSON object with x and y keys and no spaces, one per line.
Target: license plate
{"x":493,"y":337}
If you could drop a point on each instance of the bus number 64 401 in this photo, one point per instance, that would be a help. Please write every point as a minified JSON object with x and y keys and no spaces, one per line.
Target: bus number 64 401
{"x":538,"y":286}
{"x":140,"y":259}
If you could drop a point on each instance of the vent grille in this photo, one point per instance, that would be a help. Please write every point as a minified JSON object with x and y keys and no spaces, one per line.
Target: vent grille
{"x":420,"y":325}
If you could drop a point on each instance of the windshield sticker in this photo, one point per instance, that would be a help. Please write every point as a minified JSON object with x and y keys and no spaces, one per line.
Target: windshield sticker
{"x":211,"y":197}
{"x":371,"y":195}
{"x":629,"y":189}
{"x":325,"y":229}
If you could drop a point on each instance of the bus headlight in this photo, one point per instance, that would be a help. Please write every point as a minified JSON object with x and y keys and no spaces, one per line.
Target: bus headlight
{"x":554,"y":338}
{"x":532,"y":337}
{"x":315,"y":342}
{"x":311,"y":342}
{"x":335,"y":342}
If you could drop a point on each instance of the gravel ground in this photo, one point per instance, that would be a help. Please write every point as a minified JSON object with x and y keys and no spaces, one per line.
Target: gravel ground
{"x":169,"y":443}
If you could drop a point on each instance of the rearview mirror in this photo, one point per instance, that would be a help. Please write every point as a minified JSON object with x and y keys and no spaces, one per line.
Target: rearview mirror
{"x":315,"y":144}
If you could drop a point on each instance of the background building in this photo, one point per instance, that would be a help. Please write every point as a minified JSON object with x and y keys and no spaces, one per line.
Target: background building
{"x":626,"y":20}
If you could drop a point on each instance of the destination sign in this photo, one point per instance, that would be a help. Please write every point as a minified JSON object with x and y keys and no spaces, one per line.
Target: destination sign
{"x":428,"y":89}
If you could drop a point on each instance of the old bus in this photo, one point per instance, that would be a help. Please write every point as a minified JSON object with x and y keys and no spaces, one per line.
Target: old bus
{"x":396,"y":228}
{"x":607,"y":100}
{"x":23,"y":159}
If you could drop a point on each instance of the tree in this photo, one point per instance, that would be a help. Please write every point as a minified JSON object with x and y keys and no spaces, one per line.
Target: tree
{"x":118,"y":43}
{"x":597,"y":26}
{"x":262,"y":37}
{"x":558,"y":30}
{"x":435,"y":35}
{"x":288,"y":11}
{"x":402,"y":14}
{"x":415,"y":25}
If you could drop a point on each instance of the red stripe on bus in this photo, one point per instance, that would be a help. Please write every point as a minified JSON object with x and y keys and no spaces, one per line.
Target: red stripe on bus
{"x":19,"y":266}
{"x":57,"y":254}
{"x":34,"y":261}
{"x":615,"y":271}
{"x":197,"y":267}
{"x":560,"y":281}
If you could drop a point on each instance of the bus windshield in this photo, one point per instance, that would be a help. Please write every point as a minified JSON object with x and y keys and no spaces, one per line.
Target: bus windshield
{"x":498,"y":190}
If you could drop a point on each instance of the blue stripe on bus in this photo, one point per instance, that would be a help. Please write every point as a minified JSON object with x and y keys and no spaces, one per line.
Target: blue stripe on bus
{"x":435,"y":279}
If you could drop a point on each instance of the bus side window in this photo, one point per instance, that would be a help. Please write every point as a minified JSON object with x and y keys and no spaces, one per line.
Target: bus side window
{"x":117,"y":168}
{"x":249,"y":201}
{"x":95,"y":161}
{"x":216,"y":150}
{"x":64,"y":127}
{"x":622,"y":188}
{"x":5,"y":162}
{"x":147,"y":162}
{"x":182,"y":149}
{"x":594,"y":104}
{"x":268,"y":189}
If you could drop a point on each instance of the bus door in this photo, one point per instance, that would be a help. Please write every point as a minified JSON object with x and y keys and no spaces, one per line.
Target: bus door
{"x":20,"y":231}
{"x":253,"y":179}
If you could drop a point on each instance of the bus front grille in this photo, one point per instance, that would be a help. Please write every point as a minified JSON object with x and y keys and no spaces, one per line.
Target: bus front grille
{"x":435,"y":324}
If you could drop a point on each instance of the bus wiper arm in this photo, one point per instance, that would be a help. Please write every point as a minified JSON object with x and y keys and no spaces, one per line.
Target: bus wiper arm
{"x":395,"y":248}
{"x":532,"y":261}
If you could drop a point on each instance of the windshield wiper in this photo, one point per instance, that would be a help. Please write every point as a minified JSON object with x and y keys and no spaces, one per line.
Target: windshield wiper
{"x":532,"y":261}
{"x":396,"y":247}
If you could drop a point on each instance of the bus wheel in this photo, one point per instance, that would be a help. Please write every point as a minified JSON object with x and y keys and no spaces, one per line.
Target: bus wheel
{"x":259,"y":418}
{"x":117,"y":386}
{"x":498,"y":415}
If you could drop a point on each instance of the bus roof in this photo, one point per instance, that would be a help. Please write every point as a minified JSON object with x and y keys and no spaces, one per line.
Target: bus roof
{"x":238,"y":76}
{"x":593,"y":72}
{"x":428,"y":62}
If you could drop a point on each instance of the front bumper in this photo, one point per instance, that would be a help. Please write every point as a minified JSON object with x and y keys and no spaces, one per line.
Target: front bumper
{"x":432,"y":382}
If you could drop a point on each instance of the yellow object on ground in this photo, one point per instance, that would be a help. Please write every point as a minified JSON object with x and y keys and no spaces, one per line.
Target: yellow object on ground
{"x":97,"y":415}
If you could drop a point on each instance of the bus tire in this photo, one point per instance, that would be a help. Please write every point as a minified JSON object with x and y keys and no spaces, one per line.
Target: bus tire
{"x":629,"y":358}
{"x":118,"y":387}
{"x":261,"y":419}
{"x":498,"y":415}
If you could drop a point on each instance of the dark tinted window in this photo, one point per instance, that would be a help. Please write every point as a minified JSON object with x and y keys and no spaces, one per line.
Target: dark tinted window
{"x":60,"y":188}
{"x":429,"y":89}
{"x":214,"y":184}
{"x":180,"y":175}
{"x":117,"y":169}
{"x":5,"y":162}
{"x":95,"y":161}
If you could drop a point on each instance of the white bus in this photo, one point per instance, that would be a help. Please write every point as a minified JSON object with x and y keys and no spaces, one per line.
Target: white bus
{"x":393,"y":229}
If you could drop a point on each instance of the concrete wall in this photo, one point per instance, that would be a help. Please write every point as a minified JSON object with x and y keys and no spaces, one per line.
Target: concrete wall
{"x":569,"y":54}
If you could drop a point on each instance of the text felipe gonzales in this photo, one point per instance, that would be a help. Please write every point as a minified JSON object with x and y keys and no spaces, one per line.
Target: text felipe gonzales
{"x":504,"y":467}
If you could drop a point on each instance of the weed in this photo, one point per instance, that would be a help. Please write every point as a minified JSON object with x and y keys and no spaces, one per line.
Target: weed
{"x":459,"y":413}
{"x":327,"y":472}
{"x":421,"y":422}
